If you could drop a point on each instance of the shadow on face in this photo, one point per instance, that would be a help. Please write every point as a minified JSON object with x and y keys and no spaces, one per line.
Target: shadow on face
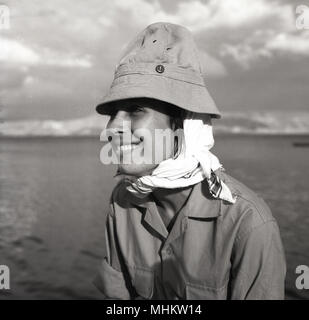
{"x":142,"y":133}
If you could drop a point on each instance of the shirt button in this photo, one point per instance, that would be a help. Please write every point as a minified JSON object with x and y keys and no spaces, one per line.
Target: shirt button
{"x":169,"y":251}
{"x":160,"y":68}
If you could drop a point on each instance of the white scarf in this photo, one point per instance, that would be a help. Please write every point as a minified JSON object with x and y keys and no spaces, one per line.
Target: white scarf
{"x":194,"y":163}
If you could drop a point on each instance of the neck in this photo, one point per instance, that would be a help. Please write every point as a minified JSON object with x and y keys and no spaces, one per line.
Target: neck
{"x":171,"y":199}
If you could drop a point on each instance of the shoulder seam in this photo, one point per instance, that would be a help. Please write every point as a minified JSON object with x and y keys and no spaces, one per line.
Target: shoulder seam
{"x":252,"y":229}
{"x":252,"y":203}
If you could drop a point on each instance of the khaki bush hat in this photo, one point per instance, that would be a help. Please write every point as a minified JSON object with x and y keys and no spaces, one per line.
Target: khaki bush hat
{"x":161,"y":63}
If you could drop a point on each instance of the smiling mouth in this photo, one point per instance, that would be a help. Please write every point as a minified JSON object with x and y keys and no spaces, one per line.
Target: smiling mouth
{"x":127,"y":147}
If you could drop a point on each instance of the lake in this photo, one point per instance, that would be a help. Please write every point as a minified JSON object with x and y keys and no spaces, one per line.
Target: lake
{"x":54,"y":195}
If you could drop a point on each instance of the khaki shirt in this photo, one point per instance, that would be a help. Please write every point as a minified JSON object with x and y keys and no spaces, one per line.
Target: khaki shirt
{"x":215,"y":250}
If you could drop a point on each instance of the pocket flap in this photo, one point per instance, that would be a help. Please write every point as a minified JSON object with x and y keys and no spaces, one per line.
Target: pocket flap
{"x":143,"y":282}
{"x":200,"y":292}
{"x":111,"y":282}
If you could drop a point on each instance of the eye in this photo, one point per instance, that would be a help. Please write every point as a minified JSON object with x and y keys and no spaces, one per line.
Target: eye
{"x":135,"y":109}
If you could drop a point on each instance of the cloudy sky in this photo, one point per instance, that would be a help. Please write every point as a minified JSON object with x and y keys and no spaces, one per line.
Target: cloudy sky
{"x":57,"y":58}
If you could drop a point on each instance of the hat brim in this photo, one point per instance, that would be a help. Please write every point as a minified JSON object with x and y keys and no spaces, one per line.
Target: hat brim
{"x":185,"y":95}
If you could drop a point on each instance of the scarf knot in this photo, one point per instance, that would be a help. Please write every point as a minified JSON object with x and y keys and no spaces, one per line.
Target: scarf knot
{"x":193,"y":164}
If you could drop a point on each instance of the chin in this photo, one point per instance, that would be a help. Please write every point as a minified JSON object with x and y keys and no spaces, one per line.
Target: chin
{"x":136,"y":170}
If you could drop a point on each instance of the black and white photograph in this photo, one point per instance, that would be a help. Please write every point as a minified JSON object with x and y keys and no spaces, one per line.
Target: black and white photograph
{"x":154,"y":150}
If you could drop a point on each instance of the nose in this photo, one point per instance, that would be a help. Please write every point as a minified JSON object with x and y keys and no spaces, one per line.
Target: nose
{"x":118,"y":125}
{"x":119,"y":122}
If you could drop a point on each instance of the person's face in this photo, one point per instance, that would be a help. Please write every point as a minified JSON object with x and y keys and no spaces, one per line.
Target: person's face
{"x":135,"y":124}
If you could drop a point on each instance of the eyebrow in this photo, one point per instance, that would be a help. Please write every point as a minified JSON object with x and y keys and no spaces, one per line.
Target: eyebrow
{"x":134,"y":105}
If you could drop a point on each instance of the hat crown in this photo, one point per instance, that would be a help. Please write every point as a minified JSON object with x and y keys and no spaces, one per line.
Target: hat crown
{"x":163,"y":42}
{"x":162,"y":63}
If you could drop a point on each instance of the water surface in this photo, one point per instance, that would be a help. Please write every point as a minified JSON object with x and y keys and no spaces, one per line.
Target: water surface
{"x":54,"y":197}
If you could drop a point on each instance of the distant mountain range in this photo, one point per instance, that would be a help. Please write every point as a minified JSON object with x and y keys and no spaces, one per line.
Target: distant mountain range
{"x":234,"y":123}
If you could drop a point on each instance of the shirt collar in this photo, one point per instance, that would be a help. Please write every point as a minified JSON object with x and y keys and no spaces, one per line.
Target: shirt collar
{"x":201,"y":203}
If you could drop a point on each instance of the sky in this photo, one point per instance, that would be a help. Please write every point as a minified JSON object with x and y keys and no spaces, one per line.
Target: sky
{"x":57,"y":58}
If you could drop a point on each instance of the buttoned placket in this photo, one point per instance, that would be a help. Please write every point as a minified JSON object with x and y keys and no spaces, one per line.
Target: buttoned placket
{"x":154,"y":220}
{"x":191,"y":208}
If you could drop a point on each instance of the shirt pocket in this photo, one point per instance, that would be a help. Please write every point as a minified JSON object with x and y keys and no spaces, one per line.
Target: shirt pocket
{"x":202,"y":292}
{"x":143,"y":282}
{"x":111,"y":282}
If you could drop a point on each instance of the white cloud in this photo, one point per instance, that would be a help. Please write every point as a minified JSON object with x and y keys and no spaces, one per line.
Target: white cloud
{"x":232,"y":14}
{"x":290,"y":43}
{"x":241,"y":30}
{"x":213,"y":14}
{"x":14,"y":52}
{"x":252,"y":49}
{"x":244,"y":54}
{"x":238,"y":13}
{"x":211,"y":66}
{"x":100,"y":22}
{"x":61,"y":60}
{"x":29,"y":80}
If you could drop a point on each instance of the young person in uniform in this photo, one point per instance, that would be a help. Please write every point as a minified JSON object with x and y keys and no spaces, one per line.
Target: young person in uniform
{"x":179,"y":226}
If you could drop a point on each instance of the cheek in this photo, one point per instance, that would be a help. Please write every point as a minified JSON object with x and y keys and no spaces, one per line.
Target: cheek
{"x":163,"y":147}
{"x":108,"y":125}
{"x":162,"y":142}
{"x":155,"y":131}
